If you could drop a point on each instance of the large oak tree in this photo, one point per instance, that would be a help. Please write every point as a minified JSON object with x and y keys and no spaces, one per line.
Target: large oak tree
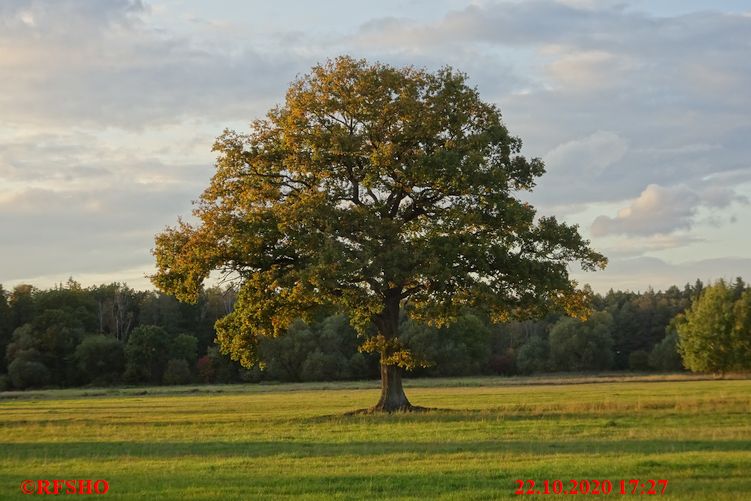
{"x":373,"y":189}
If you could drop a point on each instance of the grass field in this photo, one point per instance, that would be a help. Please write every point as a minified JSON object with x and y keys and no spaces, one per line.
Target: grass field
{"x":283,"y":441}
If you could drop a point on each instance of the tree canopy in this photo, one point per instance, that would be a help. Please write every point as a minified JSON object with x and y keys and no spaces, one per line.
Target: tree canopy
{"x":715,"y":332}
{"x":372,"y":189}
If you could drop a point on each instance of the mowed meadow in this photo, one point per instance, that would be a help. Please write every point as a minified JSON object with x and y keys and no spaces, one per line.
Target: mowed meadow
{"x":296,"y":440}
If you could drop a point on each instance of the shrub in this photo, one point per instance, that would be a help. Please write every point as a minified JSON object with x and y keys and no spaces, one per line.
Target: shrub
{"x":503,"y":363}
{"x":206,"y":369}
{"x":582,"y":346}
{"x":533,"y":356}
{"x":461,"y":348}
{"x":28,"y":374}
{"x":359,"y":368}
{"x":185,"y":346}
{"x":146,"y":354}
{"x":101,"y":358}
{"x":638,"y":360}
{"x":665,"y":356}
{"x":177,"y":372}
{"x":319,"y":366}
{"x":216,"y":368}
{"x":252,"y":375}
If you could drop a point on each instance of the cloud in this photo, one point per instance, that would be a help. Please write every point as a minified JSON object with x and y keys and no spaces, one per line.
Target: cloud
{"x":661,"y":211}
{"x":721,"y":197}
{"x":578,"y":172}
{"x":639,"y":273}
{"x":590,"y":70}
{"x":72,"y":203}
{"x":73,"y":232}
{"x":41,"y":19}
{"x":657,"y":210}
{"x":513,"y":23}
{"x":587,"y":156}
{"x":103,"y":64}
{"x":639,"y":245}
{"x":109,"y":109}
{"x":135,"y":277}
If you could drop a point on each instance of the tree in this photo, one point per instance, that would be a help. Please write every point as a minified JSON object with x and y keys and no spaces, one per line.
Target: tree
{"x":22,"y":308}
{"x":665,"y":356}
{"x":459,"y":349}
{"x":533,"y":355}
{"x":216,"y":368}
{"x":5,"y":327}
{"x":638,"y":360}
{"x":582,"y":346}
{"x":27,"y":372}
{"x":146,"y":354}
{"x":742,"y":331}
{"x":185,"y":347}
{"x":372,"y":187}
{"x":714,"y":335}
{"x":70,"y":298}
{"x":101,"y":358}
{"x":287,"y":353}
{"x":116,"y":309}
{"x":177,"y":372}
{"x":53,"y":335}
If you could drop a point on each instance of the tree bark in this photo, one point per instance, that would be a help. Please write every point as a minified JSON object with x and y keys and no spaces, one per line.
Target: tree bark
{"x":392,"y":393}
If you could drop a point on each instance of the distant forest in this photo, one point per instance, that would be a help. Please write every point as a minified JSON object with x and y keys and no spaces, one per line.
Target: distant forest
{"x":113,"y":335}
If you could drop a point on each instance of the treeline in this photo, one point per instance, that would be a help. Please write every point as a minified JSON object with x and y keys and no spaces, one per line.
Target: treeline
{"x":112,"y":334}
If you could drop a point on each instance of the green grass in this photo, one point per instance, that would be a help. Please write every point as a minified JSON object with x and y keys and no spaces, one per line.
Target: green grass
{"x":284,"y":441}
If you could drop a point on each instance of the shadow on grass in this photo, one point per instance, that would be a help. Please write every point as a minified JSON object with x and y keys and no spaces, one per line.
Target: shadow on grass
{"x":292,"y":448}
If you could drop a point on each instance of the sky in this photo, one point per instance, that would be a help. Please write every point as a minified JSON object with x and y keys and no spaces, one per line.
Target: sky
{"x":640,"y":109}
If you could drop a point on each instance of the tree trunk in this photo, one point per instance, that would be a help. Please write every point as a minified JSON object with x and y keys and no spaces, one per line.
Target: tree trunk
{"x":392,"y":394}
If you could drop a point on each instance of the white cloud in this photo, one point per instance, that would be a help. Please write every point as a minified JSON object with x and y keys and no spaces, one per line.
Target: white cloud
{"x":660,"y":211}
{"x":657,"y":210}
{"x":635,"y":246}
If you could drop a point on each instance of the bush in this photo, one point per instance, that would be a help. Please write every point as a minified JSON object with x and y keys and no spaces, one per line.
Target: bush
{"x":101,"y":358}
{"x":286,"y":354}
{"x":206,"y":370}
{"x":319,"y":366}
{"x":460,"y":349}
{"x":665,"y":356}
{"x":533,"y":356}
{"x":252,"y":375}
{"x":28,"y":374}
{"x":185,"y":346}
{"x":638,"y":360}
{"x":53,"y":335}
{"x":216,"y":368}
{"x":359,"y":367}
{"x":582,"y":346}
{"x":146,"y":354}
{"x":177,"y":372}
{"x":503,"y":363}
